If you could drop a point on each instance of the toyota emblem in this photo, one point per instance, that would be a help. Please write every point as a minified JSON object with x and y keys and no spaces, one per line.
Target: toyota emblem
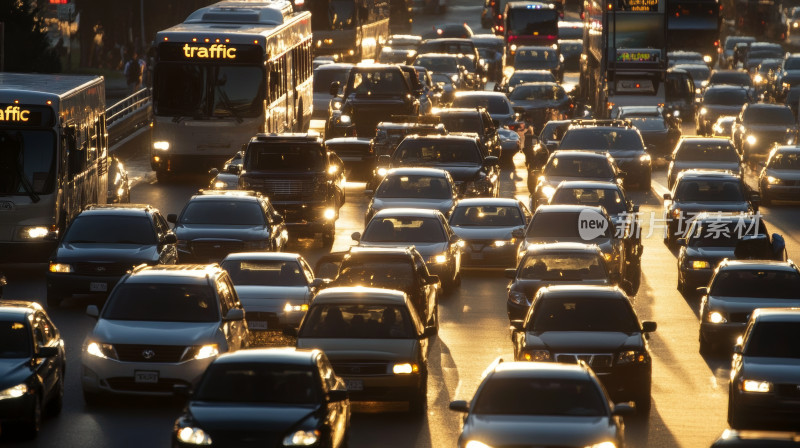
{"x":148,"y":354}
{"x":100,"y":268}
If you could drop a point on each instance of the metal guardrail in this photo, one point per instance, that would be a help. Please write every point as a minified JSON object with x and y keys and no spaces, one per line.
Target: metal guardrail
{"x":128,"y":116}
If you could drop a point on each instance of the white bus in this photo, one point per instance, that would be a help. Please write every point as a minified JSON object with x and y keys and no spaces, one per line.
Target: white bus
{"x":230,"y":71}
{"x":53,"y":158}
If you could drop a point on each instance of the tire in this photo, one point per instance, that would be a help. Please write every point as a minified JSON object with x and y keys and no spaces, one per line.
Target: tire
{"x":644,"y":402}
{"x":54,"y":298}
{"x":56,"y":403}
{"x":30,"y":427}
{"x":328,"y":236}
{"x":634,"y":275}
{"x":419,"y":402}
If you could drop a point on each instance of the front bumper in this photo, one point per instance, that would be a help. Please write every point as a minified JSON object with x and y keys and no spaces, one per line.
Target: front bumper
{"x":100,"y":375}
{"x":81,"y":284}
{"x":775,"y":409}
{"x":777,"y":191}
{"x":636,"y":170}
{"x":724,"y":334}
{"x":486,"y":255}
{"x":307,"y":218}
{"x":383,"y":387}
{"x":17,"y":409}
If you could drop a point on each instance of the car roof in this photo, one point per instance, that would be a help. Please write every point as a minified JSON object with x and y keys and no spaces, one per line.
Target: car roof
{"x":481,"y":93}
{"x":441,"y":137}
{"x":408,"y":212}
{"x":18,"y":309}
{"x":787,"y":149}
{"x":766,"y":265}
{"x":405,"y":171}
{"x":571,"y":291}
{"x":439,"y":55}
{"x":707,"y":175}
{"x":535,"y":47}
{"x":567,"y":208}
{"x":276,"y":355}
{"x":458,"y":110}
{"x":563,"y":247}
{"x":765,"y":106}
{"x":171,"y":273}
{"x":578,"y":153}
{"x":335,"y":66}
{"x":361,"y":250}
{"x":777,"y":314}
{"x":228,"y":195}
{"x":118,"y":209}
{"x":264,"y":256}
{"x":360,"y":294}
{"x":707,"y":140}
{"x":488,"y":201}
{"x":348,"y":141}
{"x":725,"y":87}
{"x":538,"y":83}
{"x":529,"y":369}
{"x":597,"y":184}
{"x":723,"y":217}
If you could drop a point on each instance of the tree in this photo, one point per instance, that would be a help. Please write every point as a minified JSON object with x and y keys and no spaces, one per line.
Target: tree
{"x":27,"y":48}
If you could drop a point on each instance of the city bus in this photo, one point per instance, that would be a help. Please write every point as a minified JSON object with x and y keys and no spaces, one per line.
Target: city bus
{"x":529,"y":23}
{"x":349,"y":30}
{"x":228,"y":72}
{"x":53,"y":158}
{"x":694,"y":25}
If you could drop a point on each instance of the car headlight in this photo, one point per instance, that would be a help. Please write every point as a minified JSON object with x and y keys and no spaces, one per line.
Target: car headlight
{"x":219,"y":185}
{"x":518,"y":297}
{"x":329,"y":214}
{"x":548,"y":191}
{"x":256,"y":245}
{"x":382,"y":172}
{"x":161,"y":146}
{"x":291,"y":308}
{"x":345,"y":119}
{"x":302,"y":437}
{"x":603,"y":445}
{"x":537,"y":355}
{"x":715,"y":317}
{"x":503,"y":243}
{"x":751,"y":139}
{"x":756,"y":386}
{"x":631,"y":356}
{"x":700,"y":264}
{"x":644,"y":158}
{"x":438,"y":258}
{"x":476,"y":444}
{"x":703,"y":111}
{"x":193,"y":436}
{"x":773,"y":180}
{"x":100,"y":350}
{"x":61,"y":268}
{"x":14,"y":391}
{"x":337,"y":105}
{"x":201,"y":352}
{"x":405,"y":368}
{"x":32,"y":232}
{"x":454,"y":78}
{"x":758,"y":79}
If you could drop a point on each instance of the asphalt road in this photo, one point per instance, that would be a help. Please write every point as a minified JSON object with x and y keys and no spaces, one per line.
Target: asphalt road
{"x":689,"y":391}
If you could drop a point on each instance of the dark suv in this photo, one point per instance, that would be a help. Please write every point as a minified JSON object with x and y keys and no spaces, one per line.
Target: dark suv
{"x":759,"y":126}
{"x":102,"y":243}
{"x":303,"y":181}
{"x":476,"y":121}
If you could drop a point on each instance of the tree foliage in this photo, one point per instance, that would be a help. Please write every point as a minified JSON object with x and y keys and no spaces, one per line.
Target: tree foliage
{"x":27,"y":48}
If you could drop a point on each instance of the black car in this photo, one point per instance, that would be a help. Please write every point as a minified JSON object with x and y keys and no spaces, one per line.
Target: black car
{"x":303,"y":180}
{"x":731,"y":77}
{"x":760,"y":51}
{"x":476,"y":121}
{"x":497,"y":104}
{"x":736,"y":289}
{"x":780,"y":177}
{"x":214,"y":224}
{"x":718,"y":101}
{"x":540,"y":102}
{"x":699,"y":153}
{"x":357,"y":155}
{"x":492,"y":50}
{"x":570,"y":166}
{"x":759,"y":126}
{"x":660,"y":130}
{"x":271,"y":397}
{"x":595,"y":324}
{"x":32,"y":363}
{"x":540,"y":58}
{"x":102,"y":243}
{"x":571,"y":51}
{"x":443,"y":64}
{"x":518,"y":77}
{"x":486,"y":226}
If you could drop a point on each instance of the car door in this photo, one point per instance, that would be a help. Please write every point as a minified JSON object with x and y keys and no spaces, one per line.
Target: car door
{"x":427,"y":290}
{"x":47,"y":369}
{"x":235,"y":330}
{"x":167,"y":253}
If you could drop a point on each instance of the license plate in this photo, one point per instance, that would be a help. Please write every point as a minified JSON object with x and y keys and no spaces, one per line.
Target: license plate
{"x":257,"y":324}
{"x":98,"y":286}
{"x":354,"y":384}
{"x":145,"y":376}
{"x":6,"y":206}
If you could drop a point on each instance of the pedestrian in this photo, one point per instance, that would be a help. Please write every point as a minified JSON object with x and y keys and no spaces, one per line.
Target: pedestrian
{"x":133,"y":73}
{"x":142,"y":71}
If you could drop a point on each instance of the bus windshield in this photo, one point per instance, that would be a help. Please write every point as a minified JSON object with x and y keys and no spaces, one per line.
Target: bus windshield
{"x":27,"y":162}
{"x":221,"y":91}
{"x":528,"y":21}
{"x":331,"y":15}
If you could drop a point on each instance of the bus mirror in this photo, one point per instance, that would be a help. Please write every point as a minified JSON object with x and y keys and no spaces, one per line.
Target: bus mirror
{"x":334,"y":88}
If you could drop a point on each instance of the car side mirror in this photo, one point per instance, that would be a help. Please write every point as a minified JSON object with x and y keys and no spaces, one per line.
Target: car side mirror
{"x":334,"y":88}
{"x":517,"y":324}
{"x":432,"y":279}
{"x":649,"y":326}
{"x":170,"y":238}
{"x":518,"y":233}
{"x":667,"y":196}
{"x":92,"y":311}
{"x":459,"y":406}
{"x":681,"y":242}
{"x":626,"y":286}
{"x":214,"y":172}
{"x":317,"y":282}
{"x":234,"y":314}
{"x":172,"y":218}
{"x":336,"y":395}
{"x":356,"y":236}
{"x":182,"y":390}
{"x":47,"y":352}
{"x":624,"y":409}
{"x":511,"y":273}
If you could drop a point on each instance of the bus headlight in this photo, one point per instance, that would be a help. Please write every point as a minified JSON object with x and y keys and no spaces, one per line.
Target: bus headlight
{"x":161,"y":145}
{"x":32,"y":232}
{"x":14,"y":391}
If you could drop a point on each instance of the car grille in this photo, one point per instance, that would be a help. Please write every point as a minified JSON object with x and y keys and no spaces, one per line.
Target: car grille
{"x":351,"y":368}
{"x":216,"y":249}
{"x":739,"y":317}
{"x":149,"y":353}
{"x":109,"y":269}
{"x":788,"y":390}
{"x":277,"y":189}
{"x":127,"y":384}
{"x":479,"y":245}
{"x":245,"y":439}
{"x":599,"y":362}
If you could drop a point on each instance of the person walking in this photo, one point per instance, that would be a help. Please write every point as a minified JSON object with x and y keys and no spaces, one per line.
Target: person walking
{"x":133,"y":73}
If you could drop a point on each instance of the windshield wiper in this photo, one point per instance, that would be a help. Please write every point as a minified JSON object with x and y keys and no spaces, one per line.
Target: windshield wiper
{"x":227,"y":104}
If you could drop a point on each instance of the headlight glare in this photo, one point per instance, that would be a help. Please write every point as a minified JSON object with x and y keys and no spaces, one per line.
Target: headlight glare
{"x":700,"y":264}
{"x":756,"y":386}
{"x":161,"y":146}
{"x":382,"y":172}
{"x":548,"y":191}
{"x":773,"y":180}
{"x":290,"y":308}
{"x":60,"y":268}
{"x":100,"y":350}
{"x":345,"y":119}
{"x":476,"y":444}
{"x":329,"y":214}
{"x":193,"y":436}
{"x":207,"y":351}
{"x":405,"y":368}
{"x":603,"y":445}
{"x":33,"y":232}
{"x":14,"y":391}
{"x":715,"y":317}
{"x":302,"y":438}
{"x":751,"y":139}
{"x":537,"y":355}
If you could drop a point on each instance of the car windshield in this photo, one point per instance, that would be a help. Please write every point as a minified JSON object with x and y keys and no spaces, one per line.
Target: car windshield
{"x":494,"y":104}
{"x":435,"y":152}
{"x":487,"y":216}
{"x":579,"y":167}
{"x":404,"y":230}
{"x":559,"y":225}
{"x":531,"y":76}
{"x":414,"y":186}
{"x":540,"y":396}
{"x":736,"y":78}
{"x":757,"y":283}
{"x":258,"y":382}
{"x":265,"y":273}
{"x":27,"y":162}
{"x":599,"y":139}
{"x":377,"y":274}
{"x":725,"y":97}
{"x":785,"y":161}
{"x":162,"y":302}
{"x":223,"y":213}
{"x":324,"y":77}
{"x":531,"y":21}
{"x":358,"y":321}
{"x":649,"y":124}
{"x":377,"y":83}
{"x":15,"y":339}
{"x":776,"y":116}
{"x":699,"y":72}
{"x":699,"y":190}
{"x":583,"y":314}
{"x":724,"y":233}
{"x":609,"y":198}
{"x":285,"y":157}
{"x":537,"y":92}
{"x":107,"y":229}
{"x":462,"y":122}
{"x":569,"y":266}
{"x":774,"y":340}
{"x":707,"y":152}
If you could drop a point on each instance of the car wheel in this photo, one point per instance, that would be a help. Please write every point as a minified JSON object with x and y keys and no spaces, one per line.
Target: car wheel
{"x":419,"y":403}
{"x":54,"y":298}
{"x":30,"y":427}
{"x":634,"y":275}
{"x":56,"y":403}
{"x":643,"y":402}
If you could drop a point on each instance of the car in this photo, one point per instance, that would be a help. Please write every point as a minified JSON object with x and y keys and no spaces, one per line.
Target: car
{"x":389,"y":134}
{"x":759,"y":51}
{"x":595,"y":324}
{"x":736,"y":289}
{"x":275,"y":289}
{"x":389,"y":55}
{"x":510,"y":145}
{"x":540,"y":58}
{"x":357,"y":155}
{"x":404,"y":41}
{"x":401,"y":268}
{"x":215,"y":223}
{"x":119,"y":187}
{"x":540,"y":102}
{"x":475,"y":172}
{"x":570,"y":223}
{"x":267,"y":396}
{"x":793,"y":20}
{"x":571,"y":50}
{"x":426,"y":230}
{"x":485,"y":225}
{"x":571,"y":165}
{"x":477,"y":121}
{"x":425,"y":188}
{"x":228,"y":177}
{"x":467,"y":52}
{"x":618,"y":138}
{"x":324,"y":76}
{"x":552,"y":264}
{"x":700,"y":73}
{"x":442,"y":64}
{"x":687,"y":57}
{"x":764,"y":376}
{"x":765,"y":77}
{"x":303,"y":180}
{"x":448,"y":30}
{"x":723,"y":127}
{"x":517,"y":402}
{"x":726,"y":55}
{"x":757,"y":439}
{"x":703,"y":153}
{"x":760,"y":125}
{"x":102,"y":243}
{"x":739,"y":78}
{"x":660,"y":130}
{"x":711,"y":238}
{"x":492,"y":51}
{"x":33,"y":362}
{"x":497,"y":104}
{"x":161,"y":326}
{"x":784,"y":82}
{"x":509,"y":83}
{"x":375,"y":341}
{"x":697,"y":191}
{"x":780,"y":176}
{"x":719,"y":101}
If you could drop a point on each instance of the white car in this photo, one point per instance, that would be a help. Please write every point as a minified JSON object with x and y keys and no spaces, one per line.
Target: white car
{"x":161,"y":327}
{"x":275,"y":288}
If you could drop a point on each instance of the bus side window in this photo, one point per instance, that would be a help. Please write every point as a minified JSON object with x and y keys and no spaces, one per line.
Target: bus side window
{"x":75,"y":154}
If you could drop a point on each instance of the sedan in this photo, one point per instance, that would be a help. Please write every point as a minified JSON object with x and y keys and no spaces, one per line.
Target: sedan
{"x":780,"y":177}
{"x":426,"y":188}
{"x":698,"y":153}
{"x":509,"y":83}
{"x":718,"y":101}
{"x":486,"y":226}
{"x":660,"y":131}
{"x":496,"y":103}
{"x":539,"y":58}
{"x":272,"y":397}
{"x":571,"y":165}
{"x":541,"y":102}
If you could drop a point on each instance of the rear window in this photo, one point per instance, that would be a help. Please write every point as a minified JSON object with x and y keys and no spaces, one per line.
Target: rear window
{"x":15,"y":339}
{"x":706,"y":152}
{"x":774,"y":284}
{"x":358,"y":321}
{"x":223,"y":213}
{"x":404,"y":230}
{"x":285,"y":157}
{"x":774,"y":340}
{"x":602,"y":139}
{"x":265,"y":272}
{"x":540,"y":396}
{"x":492,"y":103}
{"x":583,"y":314}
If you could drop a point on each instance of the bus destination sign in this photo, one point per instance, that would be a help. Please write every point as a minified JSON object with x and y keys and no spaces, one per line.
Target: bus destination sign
{"x":27,"y":116}
{"x":226,"y":53}
{"x":639,"y":55}
{"x":638,"y":5}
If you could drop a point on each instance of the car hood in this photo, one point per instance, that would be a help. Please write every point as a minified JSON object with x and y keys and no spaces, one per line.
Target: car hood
{"x":460,"y":172}
{"x":14,"y":371}
{"x":110,"y":253}
{"x":373,"y":349}
{"x":606,"y":244}
{"x":713,"y":206}
{"x":626,"y":153}
{"x":425,"y":249}
{"x":485,"y":233}
{"x":519,"y":430}
{"x":748,"y":304}
{"x":255,"y":294}
{"x":783,"y":174}
{"x":192,"y":232}
{"x":535,"y":104}
{"x":679,"y":166}
{"x":710,"y":253}
{"x":775,"y":370}
{"x":244,"y":417}
{"x":443,"y":205}
{"x":529,"y":287}
{"x":156,"y":333}
{"x":583,"y":341}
